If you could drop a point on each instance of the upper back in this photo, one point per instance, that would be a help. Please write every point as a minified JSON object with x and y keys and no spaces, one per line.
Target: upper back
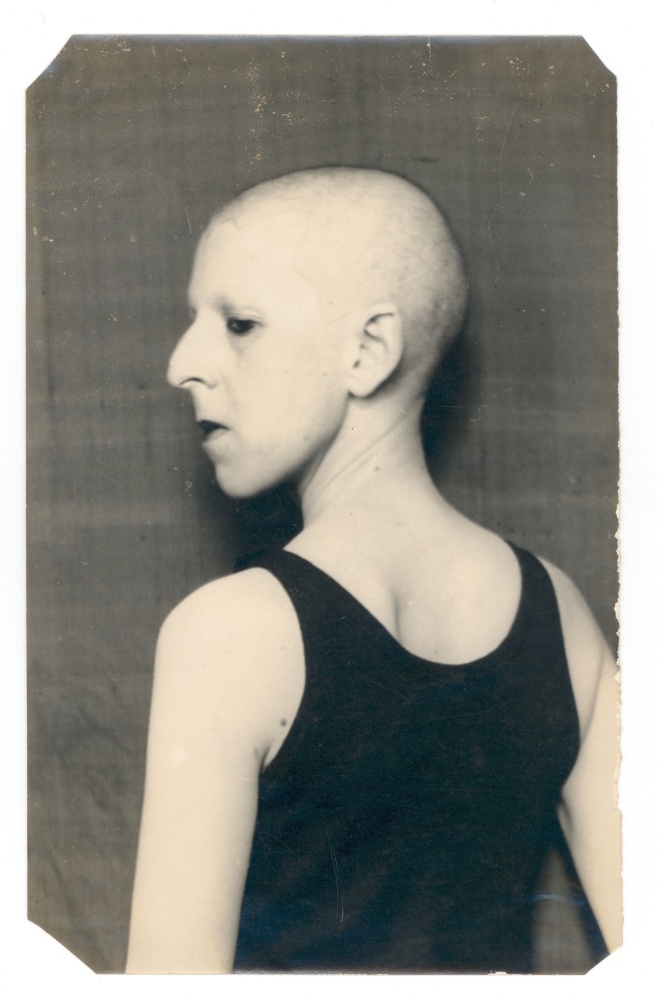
{"x":449,"y":596}
{"x":429,"y":787}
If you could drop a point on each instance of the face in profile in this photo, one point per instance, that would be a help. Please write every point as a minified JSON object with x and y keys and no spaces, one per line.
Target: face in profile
{"x":262,"y":365}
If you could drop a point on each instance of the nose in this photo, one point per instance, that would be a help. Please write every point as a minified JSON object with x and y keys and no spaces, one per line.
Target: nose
{"x":193,"y":359}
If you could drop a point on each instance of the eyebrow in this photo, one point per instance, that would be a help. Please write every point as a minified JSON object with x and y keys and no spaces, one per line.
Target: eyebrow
{"x":224,"y":305}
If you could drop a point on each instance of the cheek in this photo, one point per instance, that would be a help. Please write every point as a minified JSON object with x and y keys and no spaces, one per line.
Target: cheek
{"x":317,"y":373}
{"x":296,"y":380}
{"x":285,"y":427}
{"x":289,"y":399}
{"x":310,"y":401}
{"x":290,"y":424}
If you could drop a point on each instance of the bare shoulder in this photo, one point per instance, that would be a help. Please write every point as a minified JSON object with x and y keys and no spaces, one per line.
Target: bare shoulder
{"x":590,"y":660}
{"x":231,"y":653}
{"x":247,"y":611}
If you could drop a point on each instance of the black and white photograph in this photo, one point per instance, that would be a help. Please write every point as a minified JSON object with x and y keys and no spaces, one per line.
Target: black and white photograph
{"x":322,"y":498}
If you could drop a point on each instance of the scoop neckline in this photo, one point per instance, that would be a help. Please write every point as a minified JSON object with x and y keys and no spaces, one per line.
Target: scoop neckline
{"x":500,"y":654}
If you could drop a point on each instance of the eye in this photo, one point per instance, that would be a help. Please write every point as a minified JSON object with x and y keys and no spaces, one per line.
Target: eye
{"x":240,"y":326}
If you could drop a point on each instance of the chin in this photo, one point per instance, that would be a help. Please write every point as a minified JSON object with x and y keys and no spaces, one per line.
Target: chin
{"x":238,"y":488}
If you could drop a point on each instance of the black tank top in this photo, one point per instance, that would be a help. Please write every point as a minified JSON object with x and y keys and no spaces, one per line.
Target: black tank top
{"x":403,"y":822}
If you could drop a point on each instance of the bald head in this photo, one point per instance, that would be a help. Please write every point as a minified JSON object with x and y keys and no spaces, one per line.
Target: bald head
{"x":363,"y":236}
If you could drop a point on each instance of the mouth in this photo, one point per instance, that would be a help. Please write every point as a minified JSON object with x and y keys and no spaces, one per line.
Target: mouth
{"x":211,"y":429}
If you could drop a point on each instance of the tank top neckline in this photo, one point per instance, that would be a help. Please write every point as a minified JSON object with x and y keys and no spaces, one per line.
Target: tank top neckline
{"x":500,"y":655}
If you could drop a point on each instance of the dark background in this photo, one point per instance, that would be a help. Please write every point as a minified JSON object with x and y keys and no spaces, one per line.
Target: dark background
{"x":132,"y":144}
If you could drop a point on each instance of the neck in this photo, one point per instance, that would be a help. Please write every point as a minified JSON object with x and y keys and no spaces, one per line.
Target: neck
{"x":367,"y":467}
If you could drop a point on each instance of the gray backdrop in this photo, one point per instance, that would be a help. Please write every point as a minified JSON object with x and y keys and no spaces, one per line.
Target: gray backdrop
{"x":132,"y":143}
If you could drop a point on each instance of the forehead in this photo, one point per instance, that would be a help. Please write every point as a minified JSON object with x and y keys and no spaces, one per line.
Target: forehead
{"x":264,"y":238}
{"x":256,"y":258}
{"x":280,"y":244}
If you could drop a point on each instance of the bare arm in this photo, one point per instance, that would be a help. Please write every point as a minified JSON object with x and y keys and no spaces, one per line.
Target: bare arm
{"x":217,"y":690}
{"x":588,"y":813}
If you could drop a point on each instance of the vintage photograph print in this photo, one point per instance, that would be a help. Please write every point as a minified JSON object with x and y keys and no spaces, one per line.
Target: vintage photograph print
{"x":322,"y":504}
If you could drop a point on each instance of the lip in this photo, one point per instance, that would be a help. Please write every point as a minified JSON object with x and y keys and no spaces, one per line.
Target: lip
{"x":213,"y":433}
{"x":210,"y":428}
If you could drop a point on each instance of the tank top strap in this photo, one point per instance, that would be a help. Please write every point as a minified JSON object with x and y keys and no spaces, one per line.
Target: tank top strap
{"x":539,"y":614}
{"x":300,"y":578}
{"x":534,"y":573}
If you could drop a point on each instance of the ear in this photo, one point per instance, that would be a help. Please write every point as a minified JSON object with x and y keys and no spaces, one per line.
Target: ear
{"x":378,"y":350}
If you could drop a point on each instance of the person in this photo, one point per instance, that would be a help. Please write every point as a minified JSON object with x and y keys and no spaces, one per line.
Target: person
{"x":359,"y":743}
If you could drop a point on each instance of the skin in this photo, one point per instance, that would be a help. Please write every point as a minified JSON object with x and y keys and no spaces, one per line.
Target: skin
{"x":326,"y":394}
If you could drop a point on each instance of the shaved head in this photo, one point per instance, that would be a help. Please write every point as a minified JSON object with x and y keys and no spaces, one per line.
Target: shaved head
{"x":361,"y":237}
